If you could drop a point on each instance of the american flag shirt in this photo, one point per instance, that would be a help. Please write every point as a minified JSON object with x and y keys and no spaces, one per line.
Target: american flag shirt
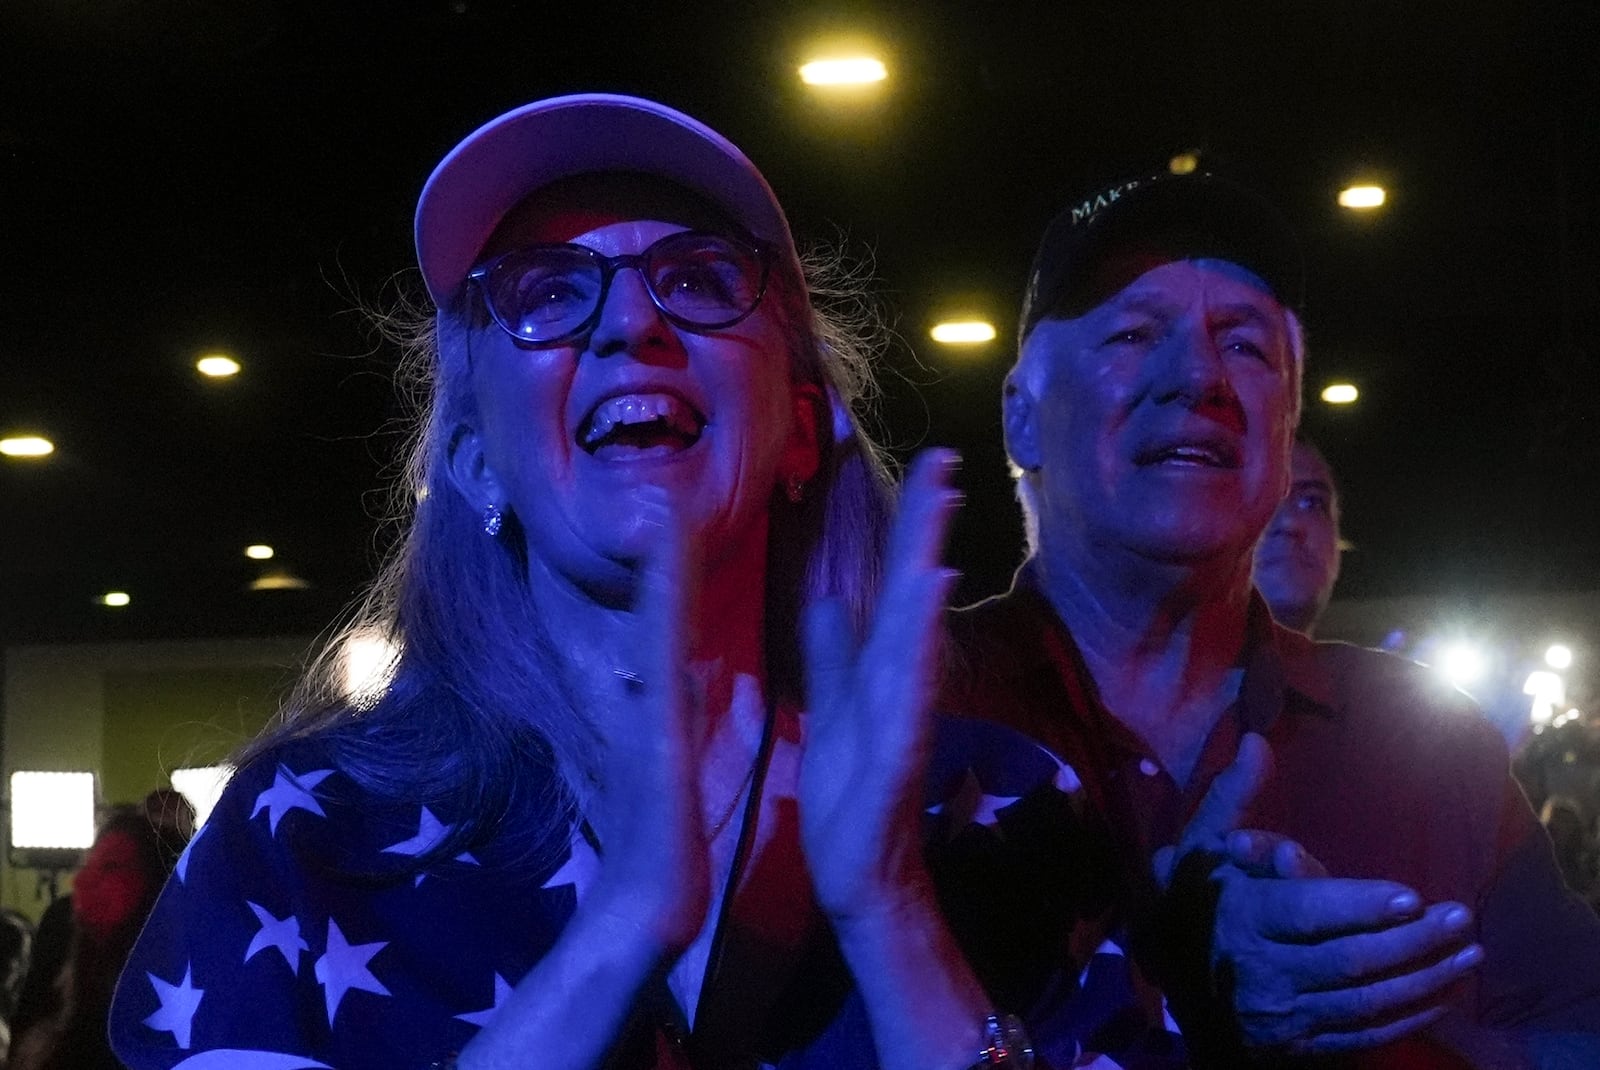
{"x":291,"y":935}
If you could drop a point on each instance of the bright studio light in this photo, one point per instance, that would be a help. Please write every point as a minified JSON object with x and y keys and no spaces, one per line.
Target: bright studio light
{"x":1548,"y":691}
{"x":369,"y":662}
{"x":1545,"y":686}
{"x":26,"y":446}
{"x":1340,"y":393}
{"x":259,"y":552}
{"x":202,"y":786}
{"x":843,"y":70}
{"x":217,"y":366}
{"x":1559,"y":656}
{"x":1461,"y":664}
{"x":1361,"y":197}
{"x":52,"y":811}
{"x":963,"y":332}
{"x":115,"y":599}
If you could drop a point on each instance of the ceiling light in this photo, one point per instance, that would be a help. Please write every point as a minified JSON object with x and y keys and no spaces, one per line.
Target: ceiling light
{"x":1185,"y":163}
{"x":1340,"y":393}
{"x":27,"y":446}
{"x":114,"y":599}
{"x":278,"y":579}
{"x":1361,"y":197}
{"x":1559,"y":656}
{"x":259,"y":552}
{"x":843,"y":70}
{"x":217,"y":366}
{"x":963,"y":332}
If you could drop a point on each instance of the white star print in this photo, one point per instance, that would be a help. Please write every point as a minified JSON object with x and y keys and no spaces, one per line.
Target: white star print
{"x":183,"y":859}
{"x":1108,"y":948}
{"x":502,"y":989}
{"x":283,"y":935}
{"x":290,"y":792}
{"x":1167,"y":1020}
{"x":970,"y":806}
{"x":178,"y":1004}
{"x":430,"y":830}
{"x":344,"y":966}
{"x":580,"y":868}
{"x":1066,"y":779}
{"x":240,"y":1059}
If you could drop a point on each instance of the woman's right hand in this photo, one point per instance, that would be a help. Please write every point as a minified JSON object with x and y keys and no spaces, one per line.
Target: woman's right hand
{"x":653,"y":891}
{"x":646,"y":810}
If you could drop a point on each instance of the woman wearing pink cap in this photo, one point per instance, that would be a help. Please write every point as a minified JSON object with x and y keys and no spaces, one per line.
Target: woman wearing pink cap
{"x":583,"y":821}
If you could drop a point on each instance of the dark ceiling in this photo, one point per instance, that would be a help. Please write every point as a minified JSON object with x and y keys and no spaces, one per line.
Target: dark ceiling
{"x":181,"y":176}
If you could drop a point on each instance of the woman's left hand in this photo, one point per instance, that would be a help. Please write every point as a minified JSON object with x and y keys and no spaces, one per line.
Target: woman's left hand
{"x":866,"y":735}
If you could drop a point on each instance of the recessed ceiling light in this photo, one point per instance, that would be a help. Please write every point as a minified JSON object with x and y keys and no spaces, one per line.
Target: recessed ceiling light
{"x":26,"y":446}
{"x":843,"y":70}
{"x":1340,"y":393}
{"x":114,"y":599}
{"x":278,"y":579}
{"x":1185,"y":163}
{"x":259,"y":552}
{"x":1362,"y":197}
{"x":963,"y":332}
{"x":217,"y":366}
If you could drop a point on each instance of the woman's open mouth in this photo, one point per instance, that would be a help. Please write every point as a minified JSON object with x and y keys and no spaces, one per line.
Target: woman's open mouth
{"x":637,"y":426}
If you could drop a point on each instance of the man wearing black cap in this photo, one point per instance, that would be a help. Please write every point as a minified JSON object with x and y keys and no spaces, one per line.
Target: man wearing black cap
{"x":1148,"y":420}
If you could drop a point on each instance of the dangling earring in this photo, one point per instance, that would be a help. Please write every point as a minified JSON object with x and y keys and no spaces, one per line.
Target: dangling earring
{"x":491,"y":520}
{"x":795,"y":488}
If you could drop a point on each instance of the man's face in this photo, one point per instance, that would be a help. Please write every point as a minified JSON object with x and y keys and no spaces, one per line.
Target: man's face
{"x":1297,"y":560}
{"x":1159,"y":422}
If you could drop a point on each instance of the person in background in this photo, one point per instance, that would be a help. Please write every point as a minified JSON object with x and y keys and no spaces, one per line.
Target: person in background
{"x":16,"y":950}
{"x":1297,"y":559}
{"x":112,"y":895}
{"x":646,"y":769}
{"x":1231,"y":762}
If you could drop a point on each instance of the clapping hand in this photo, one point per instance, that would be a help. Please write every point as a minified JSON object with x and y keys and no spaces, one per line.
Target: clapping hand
{"x":1315,"y":964}
{"x":647,"y":810}
{"x":866,"y":738}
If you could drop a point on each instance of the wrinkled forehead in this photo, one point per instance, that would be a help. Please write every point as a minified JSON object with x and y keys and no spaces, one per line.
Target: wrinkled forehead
{"x":563,"y":210}
{"x":1165,"y":286}
{"x":1154,"y":279}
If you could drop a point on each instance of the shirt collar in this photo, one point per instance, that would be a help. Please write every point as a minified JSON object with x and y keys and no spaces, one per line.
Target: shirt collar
{"x":1281,"y":667}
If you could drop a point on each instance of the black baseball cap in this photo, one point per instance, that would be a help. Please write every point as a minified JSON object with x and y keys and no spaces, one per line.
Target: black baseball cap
{"x":1100,"y":244}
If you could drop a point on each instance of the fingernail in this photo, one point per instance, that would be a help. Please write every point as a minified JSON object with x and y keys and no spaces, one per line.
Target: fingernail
{"x":1404,"y":903}
{"x":1469,"y":956}
{"x":1457,"y":918}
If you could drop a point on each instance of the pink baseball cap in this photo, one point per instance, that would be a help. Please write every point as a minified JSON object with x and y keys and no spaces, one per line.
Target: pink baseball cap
{"x":503,"y":161}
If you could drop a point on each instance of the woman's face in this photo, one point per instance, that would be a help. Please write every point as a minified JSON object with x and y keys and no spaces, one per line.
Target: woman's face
{"x":112,"y":886}
{"x":537,"y":444}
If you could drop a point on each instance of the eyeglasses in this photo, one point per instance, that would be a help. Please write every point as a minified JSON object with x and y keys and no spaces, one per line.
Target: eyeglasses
{"x":549,"y":293}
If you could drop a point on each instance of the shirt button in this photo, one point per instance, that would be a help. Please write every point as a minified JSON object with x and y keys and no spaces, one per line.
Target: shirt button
{"x":1148,"y":768}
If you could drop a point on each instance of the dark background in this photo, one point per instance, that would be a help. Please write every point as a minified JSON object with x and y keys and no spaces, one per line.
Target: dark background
{"x":178,"y":177}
